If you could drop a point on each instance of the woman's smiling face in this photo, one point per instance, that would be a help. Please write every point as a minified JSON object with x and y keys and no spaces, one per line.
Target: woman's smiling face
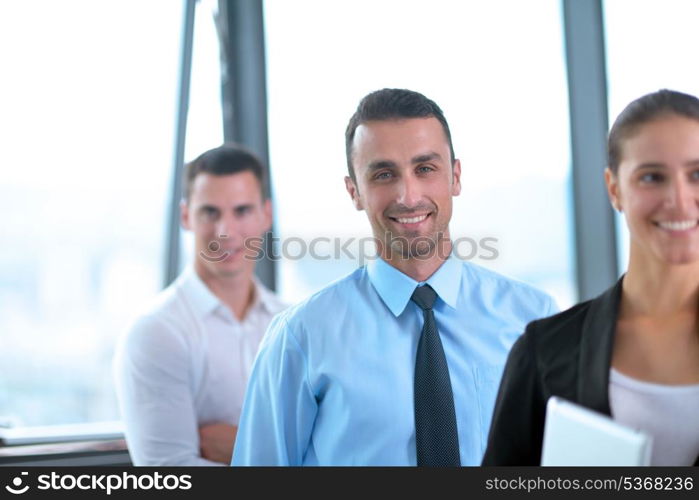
{"x":657,"y":188}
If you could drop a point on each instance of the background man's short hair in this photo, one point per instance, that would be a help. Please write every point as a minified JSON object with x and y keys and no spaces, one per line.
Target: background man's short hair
{"x":393,"y":104}
{"x":224,"y":160}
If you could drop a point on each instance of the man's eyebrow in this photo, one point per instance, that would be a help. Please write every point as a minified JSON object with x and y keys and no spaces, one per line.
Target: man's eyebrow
{"x":426,"y":158}
{"x":656,"y":165}
{"x":208,"y":208}
{"x":423,"y":158}
{"x":379,"y":164}
{"x":243,"y":206}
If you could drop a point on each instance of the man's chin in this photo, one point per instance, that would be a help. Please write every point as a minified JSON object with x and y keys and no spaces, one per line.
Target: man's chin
{"x":226,"y":269}
{"x":413,"y":248}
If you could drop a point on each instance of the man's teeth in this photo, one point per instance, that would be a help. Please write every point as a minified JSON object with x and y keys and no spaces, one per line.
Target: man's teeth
{"x":411,"y":220}
{"x":678,"y":225}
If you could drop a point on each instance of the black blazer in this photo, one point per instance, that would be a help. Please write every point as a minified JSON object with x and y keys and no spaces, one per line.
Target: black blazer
{"x":567,"y":355}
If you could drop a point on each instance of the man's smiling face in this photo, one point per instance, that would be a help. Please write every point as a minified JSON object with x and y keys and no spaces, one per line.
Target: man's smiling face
{"x":405,"y":181}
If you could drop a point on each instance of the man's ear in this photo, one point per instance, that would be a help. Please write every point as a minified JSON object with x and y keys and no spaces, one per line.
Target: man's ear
{"x":456,"y":178}
{"x":353,"y":191}
{"x":612,"y":182}
{"x":267,"y":210}
{"x":185,"y":215}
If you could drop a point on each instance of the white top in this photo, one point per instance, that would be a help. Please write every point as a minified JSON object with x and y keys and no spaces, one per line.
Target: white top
{"x":667,"y":412}
{"x":183,"y":364}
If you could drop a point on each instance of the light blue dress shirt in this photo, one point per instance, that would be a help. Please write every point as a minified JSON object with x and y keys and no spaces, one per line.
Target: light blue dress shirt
{"x":333,"y":380}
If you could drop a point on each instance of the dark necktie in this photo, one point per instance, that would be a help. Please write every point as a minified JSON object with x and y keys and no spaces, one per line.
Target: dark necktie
{"x":436,"y":438}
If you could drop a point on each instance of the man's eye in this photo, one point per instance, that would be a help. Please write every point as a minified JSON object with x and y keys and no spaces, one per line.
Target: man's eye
{"x":423,"y":169}
{"x":651,"y":178}
{"x":383,"y":175}
{"x":210,"y":213}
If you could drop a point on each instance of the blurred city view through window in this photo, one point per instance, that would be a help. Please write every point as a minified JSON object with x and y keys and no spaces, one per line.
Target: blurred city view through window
{"x":496,"y":68}
{"x":88,"y":105}
{"x":638,"y":63}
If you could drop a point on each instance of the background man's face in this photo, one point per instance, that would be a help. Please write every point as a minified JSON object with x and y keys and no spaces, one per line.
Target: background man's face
{"x":222,"y":212}
{"x":405,"y":183}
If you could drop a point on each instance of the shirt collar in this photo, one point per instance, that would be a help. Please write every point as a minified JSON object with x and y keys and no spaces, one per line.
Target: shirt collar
{"x":446,"y":281}
{"x":202,"y":300}
{"x":264,"y":297}
{"x":396,"y":288}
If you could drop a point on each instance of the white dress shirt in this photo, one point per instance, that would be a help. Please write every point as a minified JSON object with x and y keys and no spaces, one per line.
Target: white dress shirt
{"x":184,"y":364}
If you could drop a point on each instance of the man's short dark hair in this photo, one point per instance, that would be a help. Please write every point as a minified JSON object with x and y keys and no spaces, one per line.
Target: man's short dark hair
{"x":393,"y":104}
{"x":224,"y":160}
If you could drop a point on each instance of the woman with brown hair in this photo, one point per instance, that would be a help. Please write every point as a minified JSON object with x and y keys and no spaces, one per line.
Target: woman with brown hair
{"x":633,"y":352}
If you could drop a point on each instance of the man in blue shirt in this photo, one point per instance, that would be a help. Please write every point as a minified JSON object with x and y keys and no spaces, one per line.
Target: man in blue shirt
{"x":335,"y":380}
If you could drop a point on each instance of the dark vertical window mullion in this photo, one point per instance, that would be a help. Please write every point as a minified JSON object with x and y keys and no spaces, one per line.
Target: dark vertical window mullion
{"x":595,"y":233}
{"x":244,"y":96}
{"x":172,"y":240}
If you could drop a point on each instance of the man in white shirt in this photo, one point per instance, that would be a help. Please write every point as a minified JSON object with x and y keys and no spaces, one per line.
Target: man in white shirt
{"x":182,"y":368}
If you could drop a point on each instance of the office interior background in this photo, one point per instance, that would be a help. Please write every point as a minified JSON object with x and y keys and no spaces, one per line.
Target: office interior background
{"x":101,"y":103}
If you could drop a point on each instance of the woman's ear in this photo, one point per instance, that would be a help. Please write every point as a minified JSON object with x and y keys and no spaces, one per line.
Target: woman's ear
{"x":612,"y":182}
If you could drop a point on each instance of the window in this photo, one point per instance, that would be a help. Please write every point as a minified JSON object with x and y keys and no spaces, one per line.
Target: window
{"x":205,"y":119}
{"x":496,"y":69}
{"x":650,"y":45}
{"x":88,"y":111}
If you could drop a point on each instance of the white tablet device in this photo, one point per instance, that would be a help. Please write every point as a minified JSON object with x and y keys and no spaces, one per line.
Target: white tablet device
{"x":575,"y":435}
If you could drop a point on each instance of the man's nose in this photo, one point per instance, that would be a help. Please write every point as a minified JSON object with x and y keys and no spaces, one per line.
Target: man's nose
{"x":226,"y":226}
{"x":410,"y":191}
